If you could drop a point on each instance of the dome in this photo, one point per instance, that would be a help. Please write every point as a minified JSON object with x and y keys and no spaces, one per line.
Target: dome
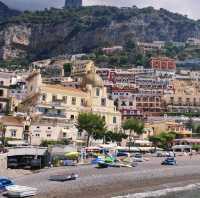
{"x":93,"y":79}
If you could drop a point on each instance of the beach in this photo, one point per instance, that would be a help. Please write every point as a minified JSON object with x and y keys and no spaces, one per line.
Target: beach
{"x":114,"y":182}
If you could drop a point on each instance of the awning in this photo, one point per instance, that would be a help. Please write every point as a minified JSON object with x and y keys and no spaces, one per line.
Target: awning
{"x":17,"y":142}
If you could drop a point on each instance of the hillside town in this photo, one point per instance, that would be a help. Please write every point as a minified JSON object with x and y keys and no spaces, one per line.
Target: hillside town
{"x":43,"y":103}
{"x":98,"y":101}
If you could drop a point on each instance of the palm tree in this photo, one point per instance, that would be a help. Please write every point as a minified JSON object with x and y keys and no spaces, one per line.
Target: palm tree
{"x":133,"y":125}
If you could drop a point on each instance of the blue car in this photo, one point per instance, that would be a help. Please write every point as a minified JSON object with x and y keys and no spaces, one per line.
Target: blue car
{"x":169,"y":161}
{"x":4,"y":182}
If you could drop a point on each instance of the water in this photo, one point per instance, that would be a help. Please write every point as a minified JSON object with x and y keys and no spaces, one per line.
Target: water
{"x":189,"y":191}
{"x":189,"y":194}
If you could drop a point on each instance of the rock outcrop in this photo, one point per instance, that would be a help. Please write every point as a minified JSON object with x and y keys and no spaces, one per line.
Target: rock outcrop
{"x":52,"y":32}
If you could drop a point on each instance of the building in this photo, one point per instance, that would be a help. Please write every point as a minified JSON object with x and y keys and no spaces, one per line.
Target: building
{"x":125,"y":101}
{"x":56,"y":104}
{"x":149,"y":102}
{"x":162,"y":63}
{"x":122,"y":76}
{"x":45,"y":129}
{"x":193,"y":41}
{"x":73,"y":3}
{"x":81,"y":68}
{"x":185,"y":97}
{"x":155,"y":46}
{"x":6,"y":80}
{"x":111,"y":50}
{"x":14,"y":127}
{"x":168,"y":126}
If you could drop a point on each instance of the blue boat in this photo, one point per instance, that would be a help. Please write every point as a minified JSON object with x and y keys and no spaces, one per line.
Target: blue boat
{"x":169,"y":161}
{"x":4,"y":182}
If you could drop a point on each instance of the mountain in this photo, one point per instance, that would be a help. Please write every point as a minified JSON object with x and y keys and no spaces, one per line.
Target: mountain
{"x":6,"y":12}
{"x":42,"y":34}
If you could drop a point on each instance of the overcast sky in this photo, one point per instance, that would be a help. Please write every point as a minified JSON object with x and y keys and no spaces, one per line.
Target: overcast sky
{"x":186,"y":7}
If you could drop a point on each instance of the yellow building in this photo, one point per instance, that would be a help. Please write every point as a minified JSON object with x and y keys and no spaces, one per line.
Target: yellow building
{"x":186,"y":97}
{"x":82,"y":67}
{"x":157,"y":127}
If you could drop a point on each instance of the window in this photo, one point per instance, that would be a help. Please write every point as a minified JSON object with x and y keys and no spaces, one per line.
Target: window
{"x":73,"y":101}
{"x":130,"y":103}
{"x":37,"y":135}
{"x":82,"y":102}
{"x":26,"y":128}
{"x":64,"y":135}
{"x":123,"y":103}
{"x":48,"y":135}
{"x":44,"y":97}
{"x":104,"y":118}
{"x":72,"y":117}
{"x":103,"y":102}
{"x":65,"y":99}
{"x":49,"y":127}
{"x":1,"y":92}
{"x":54,"y":98}
{"x":13,"y":133}
{"x":1,"y":83}
{"x":114,"y":120}
{"x":1,"y":107}
{"x":38,"y":127}
{"x":97,"y":91}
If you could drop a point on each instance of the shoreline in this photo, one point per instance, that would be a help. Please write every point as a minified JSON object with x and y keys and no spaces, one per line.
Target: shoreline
{"x":126,"y":190}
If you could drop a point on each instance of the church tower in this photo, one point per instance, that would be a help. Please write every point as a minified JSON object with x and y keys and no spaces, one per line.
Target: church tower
{"x":73,"y":3}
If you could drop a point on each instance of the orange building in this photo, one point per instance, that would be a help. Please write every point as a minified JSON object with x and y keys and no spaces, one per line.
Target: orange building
{"x":163,"y":63}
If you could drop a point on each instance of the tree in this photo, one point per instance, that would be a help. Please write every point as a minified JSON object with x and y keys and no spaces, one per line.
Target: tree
{"x":67,"y":69}
{"x":92,"y":124}
{"x":133,"y":125}
{"x":3,"y":133}
{"x":155,"y":140}
{"x":164,"y":139}
{"x":168,"y":139}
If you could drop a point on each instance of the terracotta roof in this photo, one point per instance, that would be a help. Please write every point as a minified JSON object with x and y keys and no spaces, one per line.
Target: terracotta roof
{"x":12,"y":121}
{"x":59,"y":89}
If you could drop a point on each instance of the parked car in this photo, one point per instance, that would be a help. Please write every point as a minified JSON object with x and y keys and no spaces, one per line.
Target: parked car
{"x":169,"y":161}
{"x":4,"y":182}
{"x":137,"y":157}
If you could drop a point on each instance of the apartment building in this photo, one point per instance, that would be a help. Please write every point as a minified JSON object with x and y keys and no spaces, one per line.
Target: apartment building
{"x":6,"y":80}
{"x":185,"y":98}
{"x":162,"y":63}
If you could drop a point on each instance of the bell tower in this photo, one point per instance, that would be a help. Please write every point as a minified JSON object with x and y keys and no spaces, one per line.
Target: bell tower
{"x":73,"y":3}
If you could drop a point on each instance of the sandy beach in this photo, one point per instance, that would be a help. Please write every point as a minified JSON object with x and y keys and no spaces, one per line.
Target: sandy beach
{"x":111,"y":182}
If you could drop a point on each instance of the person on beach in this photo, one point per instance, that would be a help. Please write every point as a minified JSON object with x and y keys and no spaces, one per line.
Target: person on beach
{"x":190,"y":154}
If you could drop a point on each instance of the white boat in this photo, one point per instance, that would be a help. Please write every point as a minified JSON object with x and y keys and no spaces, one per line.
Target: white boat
{"x":20,"y":191}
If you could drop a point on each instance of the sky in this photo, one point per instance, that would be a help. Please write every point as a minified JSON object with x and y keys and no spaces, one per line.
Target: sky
{"x":186,"y":7}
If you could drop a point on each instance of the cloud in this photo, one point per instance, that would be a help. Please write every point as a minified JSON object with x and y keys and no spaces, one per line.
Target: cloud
{"x":186,"y":7}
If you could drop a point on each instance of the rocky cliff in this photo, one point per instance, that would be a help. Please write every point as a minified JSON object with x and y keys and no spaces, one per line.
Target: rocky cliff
{"x":52,"y":32}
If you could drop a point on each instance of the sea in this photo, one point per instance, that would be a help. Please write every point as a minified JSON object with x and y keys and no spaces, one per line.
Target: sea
{"x":189,"y":191}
